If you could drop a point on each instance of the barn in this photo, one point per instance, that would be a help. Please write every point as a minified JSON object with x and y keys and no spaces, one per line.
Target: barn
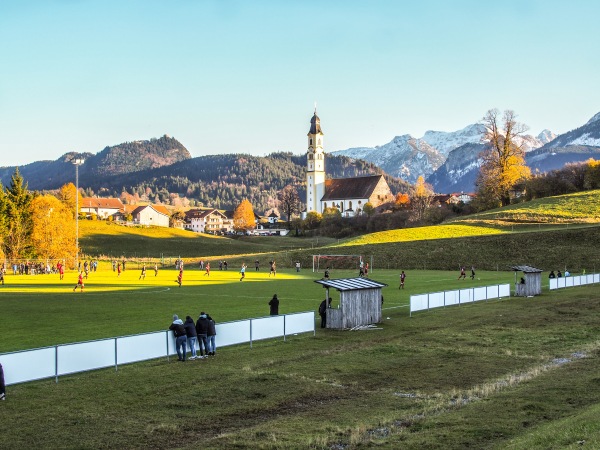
{"x":360,"y":302}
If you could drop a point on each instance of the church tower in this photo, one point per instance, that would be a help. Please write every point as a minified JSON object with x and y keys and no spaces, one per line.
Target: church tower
{"x":315,"y":169}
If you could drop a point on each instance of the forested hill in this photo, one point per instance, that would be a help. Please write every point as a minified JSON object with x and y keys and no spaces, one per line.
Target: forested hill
{"x":119,"y":159}
{"x":222,"y":181}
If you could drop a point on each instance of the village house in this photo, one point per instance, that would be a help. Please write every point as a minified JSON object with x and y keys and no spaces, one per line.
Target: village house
{"x":103,"y":208}
{"x":151,"y":215}
{"x":210,"y":221}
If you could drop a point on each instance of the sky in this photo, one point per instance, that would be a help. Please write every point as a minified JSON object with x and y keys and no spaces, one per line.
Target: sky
{"x":228,"y":76}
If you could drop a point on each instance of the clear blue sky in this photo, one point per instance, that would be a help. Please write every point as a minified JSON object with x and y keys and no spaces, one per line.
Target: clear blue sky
{"x":242,"y":76}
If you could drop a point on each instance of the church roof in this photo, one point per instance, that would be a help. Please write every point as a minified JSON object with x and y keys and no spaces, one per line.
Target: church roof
{"x":343,"y":188}
{"x":315,"y":124}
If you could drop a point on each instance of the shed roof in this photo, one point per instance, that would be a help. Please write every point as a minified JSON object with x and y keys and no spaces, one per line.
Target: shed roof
{"x":526,"y":269}
{"x":351,"y":284}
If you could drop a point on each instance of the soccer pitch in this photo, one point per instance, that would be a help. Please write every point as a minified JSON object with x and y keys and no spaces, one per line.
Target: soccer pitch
{"x":42,"y":310}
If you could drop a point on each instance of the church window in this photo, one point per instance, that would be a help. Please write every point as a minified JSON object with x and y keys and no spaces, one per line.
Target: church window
{"x":350,"y":204}
{"x":310,"y":156}
{"x":319,"y":141}
{"x":310,"y":143}
{"x":324,"y":205}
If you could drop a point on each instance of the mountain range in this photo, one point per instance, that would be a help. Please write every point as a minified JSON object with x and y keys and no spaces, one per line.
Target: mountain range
{"x":162,"y":169}
{"x":450,"y":161}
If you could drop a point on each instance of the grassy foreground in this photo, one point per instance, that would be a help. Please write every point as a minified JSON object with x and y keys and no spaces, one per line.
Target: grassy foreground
{"x":518,"y":373}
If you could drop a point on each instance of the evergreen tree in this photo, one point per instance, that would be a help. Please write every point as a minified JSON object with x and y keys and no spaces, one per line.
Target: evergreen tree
{"x":17,"y":208}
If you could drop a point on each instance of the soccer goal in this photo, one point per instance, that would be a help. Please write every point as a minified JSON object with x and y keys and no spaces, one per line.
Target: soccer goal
{"x":322,"y":262}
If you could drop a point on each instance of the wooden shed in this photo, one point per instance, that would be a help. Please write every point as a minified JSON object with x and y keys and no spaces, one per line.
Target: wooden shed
{"x":532,"y":278}
{"x":360,"y":302}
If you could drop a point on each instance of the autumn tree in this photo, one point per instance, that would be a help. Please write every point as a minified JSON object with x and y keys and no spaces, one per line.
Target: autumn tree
{"x":68,"y":195}
{"x":16,"y":240}
{"x":289,"y":201}
{"x":243,"y":217}
{"x":402,"y":201}
{"x":368,"y":209}
{"x":421,"y":199}
{"x":53,"y":228}
{"x":312,"y":220}
{"x":503,"y":159}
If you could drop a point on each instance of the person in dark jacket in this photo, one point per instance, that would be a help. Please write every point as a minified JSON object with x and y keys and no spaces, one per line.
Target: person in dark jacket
{"x":211,"y":335}
{"x":180,"y":337}
{"x":192,"y":336}
{"x":2,"y":385}
{"x":323,"y":311}
{"x":274,"y":305}
{"x":202,"y":331}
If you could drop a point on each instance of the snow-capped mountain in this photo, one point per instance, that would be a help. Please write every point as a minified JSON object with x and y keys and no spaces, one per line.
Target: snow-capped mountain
{"x":586,"y":135}
{"x":444,"y":142}
{"x":407,"y":157}
{"x":544,"y":153}
{"x":404,"y":157}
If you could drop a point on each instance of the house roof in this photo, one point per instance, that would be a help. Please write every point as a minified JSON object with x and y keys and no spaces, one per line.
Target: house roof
{"x":106,"y":203}
{"x":346,"y":188}
{"x":158,"y":208}
{"x":351,"y":284}
{"x":202,"y":213}
{"x":526,"y":269}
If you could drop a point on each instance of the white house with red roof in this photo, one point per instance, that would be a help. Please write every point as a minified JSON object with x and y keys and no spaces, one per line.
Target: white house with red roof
{"x":102,"y":207}
{"x":151,"y":215}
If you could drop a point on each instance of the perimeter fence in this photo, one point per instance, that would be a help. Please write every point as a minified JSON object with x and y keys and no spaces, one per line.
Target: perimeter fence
{"x":423,"y":302}
{"x":572,"y":281}
{"x":58,"y":360}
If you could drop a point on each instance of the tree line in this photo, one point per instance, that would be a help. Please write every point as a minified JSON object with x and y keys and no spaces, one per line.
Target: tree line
{"x":37,"y":226}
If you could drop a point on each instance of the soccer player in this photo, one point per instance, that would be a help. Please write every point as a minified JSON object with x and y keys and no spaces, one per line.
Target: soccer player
{"x":402,"y":278}
{"x":79,"y":282}
{"x":179,"y":277}
{"x":143,"y":274}
{"x":243,"y":271}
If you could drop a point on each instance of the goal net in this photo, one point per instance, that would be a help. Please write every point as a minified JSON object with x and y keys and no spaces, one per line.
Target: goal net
{"x":322,"y":262}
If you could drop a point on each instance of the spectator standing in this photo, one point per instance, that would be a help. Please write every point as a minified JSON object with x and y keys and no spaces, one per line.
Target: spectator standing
{"x":2,"y":384}
{"x":326,"y":274}
{"x":552,"y":274}
{"x":256,"y":265}
{"x":180,"y":337}
{"x":211,"y":335}
{"x":297,"y":266}
{"x":274,"y":306}
{"x":191,"y":335}
{"x":558,"y":274}
{"x":225,"y":266}
{"x":323,"y":311}
{"x":202,"y":331}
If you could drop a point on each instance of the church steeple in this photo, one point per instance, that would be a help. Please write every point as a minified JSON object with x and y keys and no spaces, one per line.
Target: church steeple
{"x":315,"y":165}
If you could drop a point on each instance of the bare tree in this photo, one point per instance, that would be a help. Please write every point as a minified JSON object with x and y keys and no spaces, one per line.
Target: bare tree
{"x":421,"y":199}
{"x":503,"y":159}
{"x":290,"y":202}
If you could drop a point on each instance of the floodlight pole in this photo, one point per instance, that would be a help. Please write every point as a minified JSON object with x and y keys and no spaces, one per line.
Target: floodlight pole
{"x":77,"y":162}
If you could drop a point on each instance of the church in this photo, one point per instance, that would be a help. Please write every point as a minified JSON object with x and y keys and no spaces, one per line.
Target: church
{"x":348,"y":195}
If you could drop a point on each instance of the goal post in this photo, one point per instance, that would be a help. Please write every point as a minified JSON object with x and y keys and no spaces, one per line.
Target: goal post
{"x":321,"y":262}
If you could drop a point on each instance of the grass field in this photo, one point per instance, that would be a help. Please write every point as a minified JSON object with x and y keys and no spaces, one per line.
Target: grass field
{"x":518,"y":373}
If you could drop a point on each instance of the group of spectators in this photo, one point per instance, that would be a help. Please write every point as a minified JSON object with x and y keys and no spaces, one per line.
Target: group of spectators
{"x":187,"y":333}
